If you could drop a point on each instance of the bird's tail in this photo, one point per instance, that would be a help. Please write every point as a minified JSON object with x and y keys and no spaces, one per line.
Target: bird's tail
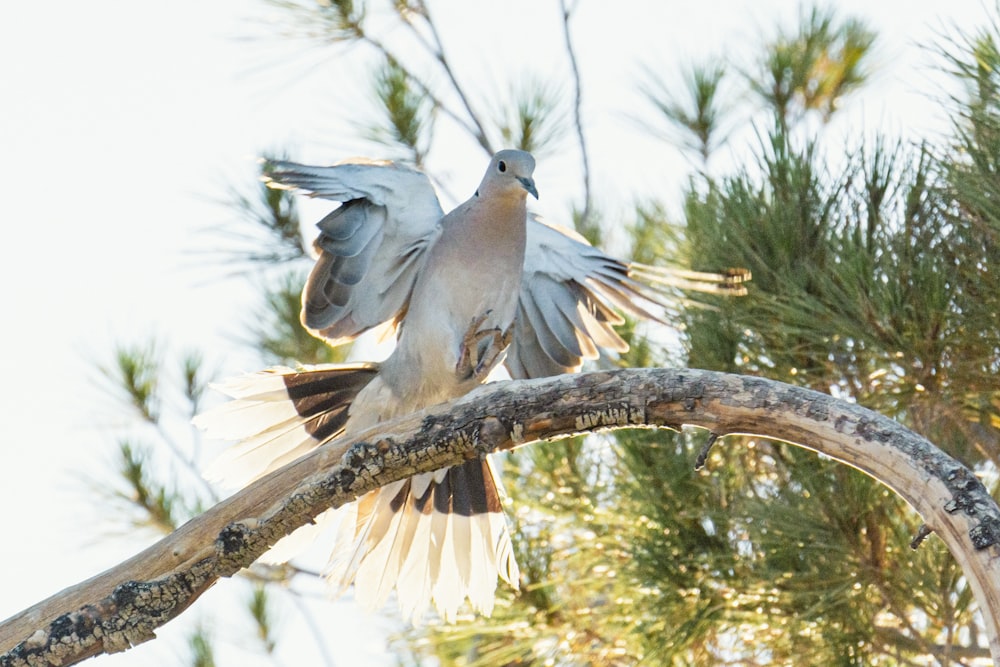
{"x":436,"y":538}
{"x":278,"y":415}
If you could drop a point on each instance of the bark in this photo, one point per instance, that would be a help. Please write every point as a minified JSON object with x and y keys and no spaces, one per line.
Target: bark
{"x":123,"y":606}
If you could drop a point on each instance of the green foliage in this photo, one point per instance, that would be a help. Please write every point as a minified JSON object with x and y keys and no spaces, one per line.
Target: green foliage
{"x":326,"y":20}
{"x":407,"y":119}
{"x":200,"y":646}
{"x":678,"y":532}
{"x":698,"y":120}
{"x":267,"y":230}
{"x":134,"y":374}
{"x":159,"y":473}
{"x":535,"y":121}
{"x":970,"y":190}
{"x":154,"y":500}
{"x":262,"y":614}
{"x":867,"y":283}
{"x":278,"y":332}
{"x":194,"y":379}
{"x":815,"y":68}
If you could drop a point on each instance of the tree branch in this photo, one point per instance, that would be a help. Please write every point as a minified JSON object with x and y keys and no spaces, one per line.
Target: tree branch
{"x":355,"y":29}
{"x":124,"y":605}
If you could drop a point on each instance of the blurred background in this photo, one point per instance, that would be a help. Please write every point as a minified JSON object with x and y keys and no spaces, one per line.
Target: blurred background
{"x":846,"y":153}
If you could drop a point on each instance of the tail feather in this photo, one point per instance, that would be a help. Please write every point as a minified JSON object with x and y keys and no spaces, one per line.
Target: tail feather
{"x":438,"y":538}
{"x":374,"y":567}
{"x":413,"y":581}
{"x":278,"y":415}
{"x":398,"y":549}
{"x":353,"y":543}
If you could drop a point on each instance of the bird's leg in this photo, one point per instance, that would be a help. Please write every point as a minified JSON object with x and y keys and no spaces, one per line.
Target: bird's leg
{"x":470,"y":364}
{"x":498,"y":346}
{"x":468,"y":353}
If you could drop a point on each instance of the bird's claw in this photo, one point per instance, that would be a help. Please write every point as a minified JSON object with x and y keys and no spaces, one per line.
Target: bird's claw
{"x":470,"y":363}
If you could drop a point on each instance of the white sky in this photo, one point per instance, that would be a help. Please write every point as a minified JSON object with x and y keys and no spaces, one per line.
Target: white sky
{"x":121,"y":121}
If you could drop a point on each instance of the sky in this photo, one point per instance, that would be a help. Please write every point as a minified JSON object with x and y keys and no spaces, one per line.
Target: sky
{"x":121,"y":125}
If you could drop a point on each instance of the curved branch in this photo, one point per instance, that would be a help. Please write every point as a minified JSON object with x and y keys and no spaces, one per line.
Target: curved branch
{"x":124,"y":605}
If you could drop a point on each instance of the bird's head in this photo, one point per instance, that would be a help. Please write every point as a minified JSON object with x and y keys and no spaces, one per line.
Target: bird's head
{"x":510,"y":172}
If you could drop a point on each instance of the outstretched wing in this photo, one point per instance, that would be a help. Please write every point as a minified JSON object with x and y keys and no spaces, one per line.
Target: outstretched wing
{"x":573,"y":295}
{"x":370,"y":248}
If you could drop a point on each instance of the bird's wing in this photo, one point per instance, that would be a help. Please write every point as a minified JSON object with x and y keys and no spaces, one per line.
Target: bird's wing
{"x":573,"y":295}
{"x":370,"y":248}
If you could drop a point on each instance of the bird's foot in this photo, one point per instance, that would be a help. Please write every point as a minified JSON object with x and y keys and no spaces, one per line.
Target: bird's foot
{"x":474,"y":362}
{"x":494,"y":352}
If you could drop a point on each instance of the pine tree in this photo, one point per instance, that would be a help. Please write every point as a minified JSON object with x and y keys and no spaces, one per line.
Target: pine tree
{"x":873,"y":280}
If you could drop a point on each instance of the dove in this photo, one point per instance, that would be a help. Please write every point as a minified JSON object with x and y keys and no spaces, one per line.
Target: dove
{"x":487,"y":284}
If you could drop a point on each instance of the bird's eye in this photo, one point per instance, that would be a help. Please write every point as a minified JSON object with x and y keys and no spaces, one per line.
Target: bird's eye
{"x":502,"y":166}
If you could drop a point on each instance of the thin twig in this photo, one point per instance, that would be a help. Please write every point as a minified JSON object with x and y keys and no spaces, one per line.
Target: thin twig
{"x":435,"y":100}
{"x":319,"y":636}
{"x":922,"y":534}
{"x":578,"y":115}
{"x":189,"y":463}
{"x":362,"y":35}
{"x":437,"y":50}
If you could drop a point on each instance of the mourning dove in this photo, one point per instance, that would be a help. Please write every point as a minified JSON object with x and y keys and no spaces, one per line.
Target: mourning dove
{"x":457,"y":288}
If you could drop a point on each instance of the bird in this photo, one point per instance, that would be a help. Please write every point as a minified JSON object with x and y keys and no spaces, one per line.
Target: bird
{"x":489,"y":283}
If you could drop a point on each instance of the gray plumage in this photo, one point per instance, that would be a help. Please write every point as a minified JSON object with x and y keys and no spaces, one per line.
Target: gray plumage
{"x":457,"y":289}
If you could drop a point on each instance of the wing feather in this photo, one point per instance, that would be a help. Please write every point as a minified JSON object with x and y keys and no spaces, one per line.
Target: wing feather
{"x":372,"y":244}
{"x":572,"y":296}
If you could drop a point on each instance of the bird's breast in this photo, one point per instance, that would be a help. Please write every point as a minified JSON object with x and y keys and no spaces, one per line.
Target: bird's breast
{"x":443,"y":308}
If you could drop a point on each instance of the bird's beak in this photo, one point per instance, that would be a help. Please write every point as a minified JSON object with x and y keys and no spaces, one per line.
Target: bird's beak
{"x":529,"y":185}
